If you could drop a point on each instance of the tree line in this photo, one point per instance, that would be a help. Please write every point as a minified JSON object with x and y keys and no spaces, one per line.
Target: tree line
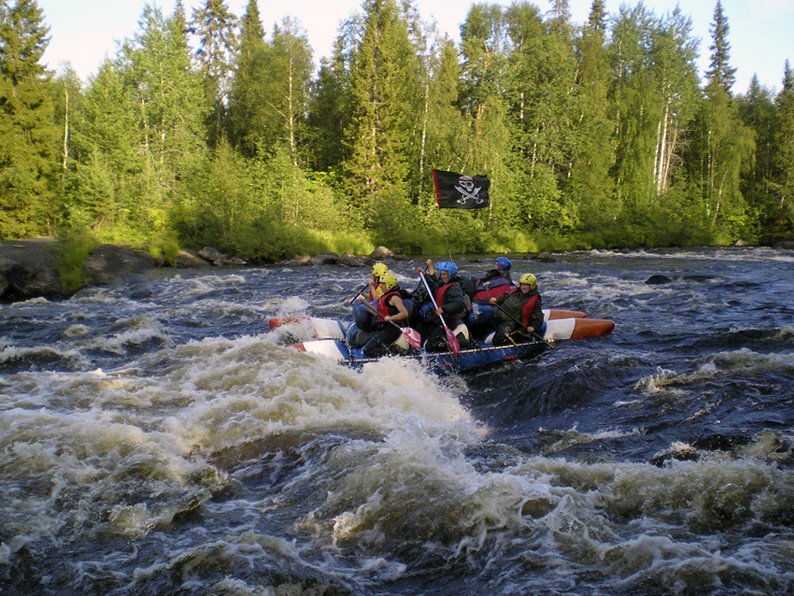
{"x":204,"y":129}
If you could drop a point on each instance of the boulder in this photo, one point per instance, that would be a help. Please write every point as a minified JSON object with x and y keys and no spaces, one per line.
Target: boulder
{"x":109,"y":262}
{"x":187,"y":259}
{"x":351,"y":261}
{"x":299,"y":261}
{"x":655,"y":280}
{"x":381,"y":252}
{"x":29,"y":269}
{"x":219,"y":259}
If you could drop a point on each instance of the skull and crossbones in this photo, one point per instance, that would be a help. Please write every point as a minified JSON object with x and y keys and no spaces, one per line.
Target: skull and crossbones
{"x":468,"y":191}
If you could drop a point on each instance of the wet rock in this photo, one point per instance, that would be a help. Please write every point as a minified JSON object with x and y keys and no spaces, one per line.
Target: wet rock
{"x":299,"y":261}
{"x":188,"y":259}
{"x":381,"y":252}
{"x":109,"y":262}
{"x":29,"y":269}
{"x":351,"y":261}
{"x":219,"y":259}
{"x":655,"y":280}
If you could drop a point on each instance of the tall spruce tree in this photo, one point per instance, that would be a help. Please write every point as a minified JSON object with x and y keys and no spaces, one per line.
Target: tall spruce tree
{"x":28,"y":132}
{"x":591,"y":188}
{"x":785,"y":150}
{"x":286,"y":92}
{"x":246,"y":92}
{"x":446,"y":129}
{"x":758,"y":111}
{"x":722,"y":146}
{"x":485,"y":104}
{"x":170,"y":111}
{"x":720,"y":71}
{"x":215,"y":25}
{"x":384,"y":91}
{"x":104,"y":192}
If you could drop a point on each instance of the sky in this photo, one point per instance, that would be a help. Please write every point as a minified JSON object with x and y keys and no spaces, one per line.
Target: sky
{"x":85,"y":32}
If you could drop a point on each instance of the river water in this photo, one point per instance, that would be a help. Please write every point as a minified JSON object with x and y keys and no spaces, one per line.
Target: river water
{"x":156,"y":439}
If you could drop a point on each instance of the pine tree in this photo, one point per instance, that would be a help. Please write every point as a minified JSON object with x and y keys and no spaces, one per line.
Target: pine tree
{"x":720,"y":71}
{"x":758,"y":112}
{"x":591,"y":186}
{"x":785,"y":149}
{"x":246,"y":92}
{"x":103,"y":191}
{"x":28,"y":132}
{"x":170,"y":114}
{"x":485,"y":101}
{"x":722,"y":147}
{"x":384,"y":92}
{"x":446,"y":128}
{"x":286,"y":93}
{"x":215,"y":25}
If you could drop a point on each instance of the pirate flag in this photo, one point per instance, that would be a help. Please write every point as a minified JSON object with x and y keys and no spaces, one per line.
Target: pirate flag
{"x":456,"y":191}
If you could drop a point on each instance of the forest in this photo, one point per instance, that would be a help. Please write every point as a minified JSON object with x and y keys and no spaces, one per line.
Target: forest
{"x":203,"y":129}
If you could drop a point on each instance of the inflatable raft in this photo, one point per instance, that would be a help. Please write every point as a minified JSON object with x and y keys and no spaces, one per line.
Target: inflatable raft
{"x":560,"y":325}
{"x":466,"y":360}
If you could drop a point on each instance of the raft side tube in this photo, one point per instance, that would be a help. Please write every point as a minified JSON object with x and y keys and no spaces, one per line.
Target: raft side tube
{"x":551,"y":314}
{"x":577,"y":328}
{"x":323,"y":347}
{"x":333,"y":329}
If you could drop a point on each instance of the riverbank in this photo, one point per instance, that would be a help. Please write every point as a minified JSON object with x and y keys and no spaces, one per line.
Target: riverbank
{"x":30,"y":268}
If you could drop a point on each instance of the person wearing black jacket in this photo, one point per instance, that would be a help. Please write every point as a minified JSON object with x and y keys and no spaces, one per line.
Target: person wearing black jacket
{"x":451,"y":304}
{"x":520,"y":312}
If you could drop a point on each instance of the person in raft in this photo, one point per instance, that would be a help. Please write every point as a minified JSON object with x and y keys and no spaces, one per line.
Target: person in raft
{"x":361,"y":314}
{"x":451,"y":304}
{"x":391,"y":309}
{"x":497,"y":281}
{"x":520,"y":312}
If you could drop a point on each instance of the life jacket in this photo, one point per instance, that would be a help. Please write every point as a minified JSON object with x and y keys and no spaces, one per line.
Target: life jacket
{"x":373,"y":293}
{"x":384,"y":308}
{"x":440,"y":292}
{"x":527,"y":310}
{"x":495,"y":288}
{"x":443,"y":290}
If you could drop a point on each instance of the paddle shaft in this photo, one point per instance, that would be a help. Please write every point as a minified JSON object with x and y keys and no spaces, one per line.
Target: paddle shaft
{"x":534,"y":333}
{"x":451,"y":339}
{"x":374,"y":311}
{"x":357,"y":294}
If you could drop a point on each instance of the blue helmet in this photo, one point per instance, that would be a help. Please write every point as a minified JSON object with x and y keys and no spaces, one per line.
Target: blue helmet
{"x":503,"y":263}
{"x":448,"y":266}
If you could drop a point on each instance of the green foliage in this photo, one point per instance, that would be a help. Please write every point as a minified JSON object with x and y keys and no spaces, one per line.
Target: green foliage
{"x":74,"y":245}
{"x":591,"y":137}
{"x":28,"y":133}
{"x":165,"y":248}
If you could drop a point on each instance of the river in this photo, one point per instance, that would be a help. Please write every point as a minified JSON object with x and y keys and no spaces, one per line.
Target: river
{"x":156,"y":438}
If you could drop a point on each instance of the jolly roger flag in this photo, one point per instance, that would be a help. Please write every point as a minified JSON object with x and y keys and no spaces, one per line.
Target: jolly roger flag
{"x":456,"y":191}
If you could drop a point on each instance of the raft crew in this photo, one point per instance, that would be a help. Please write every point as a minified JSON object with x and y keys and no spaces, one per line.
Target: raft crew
{"x":390,"y":308}
{"x":520,"y":312}
{"x":491,"y":304}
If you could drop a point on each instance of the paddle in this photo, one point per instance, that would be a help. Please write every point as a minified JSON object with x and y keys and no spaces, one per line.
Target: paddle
{"x":452,"y":339}
{"x":357,"y":294}
{"x":534,"y":333}
{"x":412,"y":335}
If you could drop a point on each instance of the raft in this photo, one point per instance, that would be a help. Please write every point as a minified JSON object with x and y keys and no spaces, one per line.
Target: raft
{"x":466,"y":360}
{"x":560,"y":325}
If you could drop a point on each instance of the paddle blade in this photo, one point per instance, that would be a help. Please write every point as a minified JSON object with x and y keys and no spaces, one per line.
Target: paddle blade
{"x":453,"y":342}
{"x":413,"y":337}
